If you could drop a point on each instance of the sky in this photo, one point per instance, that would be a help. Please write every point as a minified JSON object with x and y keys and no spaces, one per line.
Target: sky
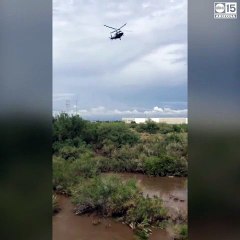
{"x":143,"y":75}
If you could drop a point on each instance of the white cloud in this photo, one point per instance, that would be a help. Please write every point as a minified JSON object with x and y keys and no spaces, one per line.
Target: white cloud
{"x":157,"y":109}
{"x":166,"y":111}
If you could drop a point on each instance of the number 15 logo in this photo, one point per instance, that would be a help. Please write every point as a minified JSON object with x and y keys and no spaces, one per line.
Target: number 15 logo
{"x":231,"y":7}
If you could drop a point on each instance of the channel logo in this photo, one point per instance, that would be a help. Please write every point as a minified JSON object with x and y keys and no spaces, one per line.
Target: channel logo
{"x":225,"y":10}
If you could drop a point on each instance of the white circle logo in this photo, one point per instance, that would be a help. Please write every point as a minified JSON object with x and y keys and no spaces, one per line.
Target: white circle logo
{"x":219,"y":8}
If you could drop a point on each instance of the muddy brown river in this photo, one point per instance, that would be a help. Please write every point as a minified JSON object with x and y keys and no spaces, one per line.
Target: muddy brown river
{"x":67,"y":226}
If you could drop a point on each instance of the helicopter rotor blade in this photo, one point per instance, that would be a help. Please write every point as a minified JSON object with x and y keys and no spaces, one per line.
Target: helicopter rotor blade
{"x":114,"y":31}
{"x":122,"y":26}
{"x":111,"y":27}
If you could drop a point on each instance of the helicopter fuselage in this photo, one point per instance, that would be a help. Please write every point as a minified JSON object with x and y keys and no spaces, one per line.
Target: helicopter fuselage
{"x":117,"y":35}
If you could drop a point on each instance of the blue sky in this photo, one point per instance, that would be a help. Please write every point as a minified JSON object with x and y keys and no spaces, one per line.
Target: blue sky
{"x":144,"y":74}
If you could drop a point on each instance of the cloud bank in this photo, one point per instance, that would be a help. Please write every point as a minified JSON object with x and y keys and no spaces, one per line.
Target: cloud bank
{"x":102,"y":113}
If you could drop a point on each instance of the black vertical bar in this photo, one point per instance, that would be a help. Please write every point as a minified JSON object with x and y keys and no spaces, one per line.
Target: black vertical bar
{"x":214,"y":126}
{"x":26,"y":114}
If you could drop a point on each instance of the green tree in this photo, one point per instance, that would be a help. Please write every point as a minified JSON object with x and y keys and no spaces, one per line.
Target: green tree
{"x":149,"y":127}
{"x":117,"y":133}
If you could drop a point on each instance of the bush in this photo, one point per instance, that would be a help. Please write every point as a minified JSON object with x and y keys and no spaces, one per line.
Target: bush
{"x":117,"y":133}
{"x":146,"y":210}
{"x":180,"y":232}
{"x":86,"y":167}
{"x":69,"y":153}
{"x":165,"y":166}
{"x":183,"y":231}
{"x":107,"y":195}
{"x":104,"y":164}
{"x":68,"y":173}
{"x":165,"y":128}
{"x":176,"y":137}
{"x":149,"y":127}
{"x":68,"y":127}
{"x":62,"y":175}
{"x":108,"y":147}
{"x":180,"y":128}
{"x":176,"y":149}
{"x":110,"y":196}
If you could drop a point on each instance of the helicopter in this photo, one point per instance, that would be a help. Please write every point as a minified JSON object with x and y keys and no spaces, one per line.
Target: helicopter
{"x":117,"y":32}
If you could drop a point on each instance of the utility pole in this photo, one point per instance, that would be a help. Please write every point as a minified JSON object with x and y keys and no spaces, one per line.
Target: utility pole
{"x":76,"y":107}
{"x":67,"y":106}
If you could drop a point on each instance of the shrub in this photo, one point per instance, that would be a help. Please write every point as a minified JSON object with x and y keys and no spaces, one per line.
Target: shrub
{"x":176,"y":149}
{"x":108,"y":147}
{"x":149,"y":127}
{"x":86,"y":167}
{"x":180,"y":128}
{"x":62,"y":175}
{"x":180,"y":232}
{"x":104,"y":164}
{"x":165,"y":128}
{"x":108,"y":195}
{"x":69,"y":153}
{"x":68,"y":173}
{"x":183,"y":231}
{"x":117,"y":133}
{"x":150,"y":165}
{"x":146,"y":210}
{"x":165,"y":166}
{"x":68,"y":127}
{"x":176,"y":137}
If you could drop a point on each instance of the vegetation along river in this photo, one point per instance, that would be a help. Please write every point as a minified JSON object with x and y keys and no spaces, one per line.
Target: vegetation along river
{"x":67,"y":225}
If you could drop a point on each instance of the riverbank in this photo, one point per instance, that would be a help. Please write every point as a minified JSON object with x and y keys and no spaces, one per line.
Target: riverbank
{"x":66,"y":225}
{"x":159,"y":186}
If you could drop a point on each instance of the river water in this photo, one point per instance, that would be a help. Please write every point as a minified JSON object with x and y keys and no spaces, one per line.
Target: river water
{"x":67,"y":226}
